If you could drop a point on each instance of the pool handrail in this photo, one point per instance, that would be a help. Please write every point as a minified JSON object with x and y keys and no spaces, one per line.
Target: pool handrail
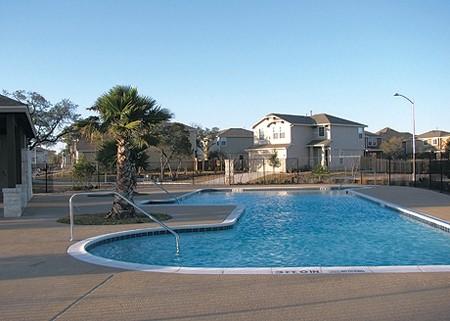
{"x":159,"y":185}
{"x":111,"y":193}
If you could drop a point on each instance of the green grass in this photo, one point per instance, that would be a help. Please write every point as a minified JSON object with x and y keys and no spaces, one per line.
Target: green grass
{"x":99,"y":219}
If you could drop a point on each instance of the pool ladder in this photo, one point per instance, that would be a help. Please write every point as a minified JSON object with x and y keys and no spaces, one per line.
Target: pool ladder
{"x":159,"y":185}
{"x":168,"y":229}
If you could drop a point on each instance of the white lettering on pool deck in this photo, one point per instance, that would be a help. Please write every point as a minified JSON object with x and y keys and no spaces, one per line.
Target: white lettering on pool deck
{"x":296,"y":271}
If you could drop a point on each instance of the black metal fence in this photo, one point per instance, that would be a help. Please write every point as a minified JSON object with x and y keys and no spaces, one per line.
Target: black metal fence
{"x":430,"y":173}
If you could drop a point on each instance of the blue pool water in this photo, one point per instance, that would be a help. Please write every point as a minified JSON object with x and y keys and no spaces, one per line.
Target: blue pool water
{"x":281,"y":229}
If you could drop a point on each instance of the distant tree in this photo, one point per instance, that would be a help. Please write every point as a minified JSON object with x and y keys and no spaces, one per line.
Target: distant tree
{"x":206,"y":138}
{"x":50,"y":120}
{"x":274,"y":161}
{"x":173,"y":144}
{"x":393,"y":147}
{"x":83,"y":171}
{"x":447,"y":146}
{"x":128,"y":119}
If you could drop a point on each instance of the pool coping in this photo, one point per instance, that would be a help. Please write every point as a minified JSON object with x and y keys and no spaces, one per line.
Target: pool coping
{"x":79,"y":251}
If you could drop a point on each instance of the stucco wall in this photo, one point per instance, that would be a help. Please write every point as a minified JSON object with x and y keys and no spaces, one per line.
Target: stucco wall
{"x":301,"y":136}
{"x":345,"y":145}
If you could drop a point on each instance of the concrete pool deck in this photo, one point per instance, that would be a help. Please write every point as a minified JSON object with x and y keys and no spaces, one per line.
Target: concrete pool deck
{"x":39,"y":281}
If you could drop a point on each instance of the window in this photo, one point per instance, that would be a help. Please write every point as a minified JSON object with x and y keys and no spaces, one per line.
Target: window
{"x":321,"y":131}
{"x":425,"y":142}
{"x":282,"y":134}
{"x":435,"y":141}
{"x":275,"y":134}
{"x":261,"y":134}
{"x":360,"y":132}
{"x":223,"y":142}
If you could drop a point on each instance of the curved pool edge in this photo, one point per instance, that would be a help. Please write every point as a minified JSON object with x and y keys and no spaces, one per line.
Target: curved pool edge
{"x":78,"y":250}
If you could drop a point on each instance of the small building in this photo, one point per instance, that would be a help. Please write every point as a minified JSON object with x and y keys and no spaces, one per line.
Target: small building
{"x":232,"y":143}
{"x":16,"y":129}
{"x":305,"y":142}
{"x":372,"y":144}
{"x":41,"y":156}
{"x":436,"y":139}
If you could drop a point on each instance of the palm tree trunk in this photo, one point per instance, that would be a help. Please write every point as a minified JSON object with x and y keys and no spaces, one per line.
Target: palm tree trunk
{"x":124,"y":182}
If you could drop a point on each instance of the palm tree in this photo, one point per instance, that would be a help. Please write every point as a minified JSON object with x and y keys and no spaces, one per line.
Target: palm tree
{"x":127,"y":118}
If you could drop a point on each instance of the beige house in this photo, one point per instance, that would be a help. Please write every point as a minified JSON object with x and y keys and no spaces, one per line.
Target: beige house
{"x":233,"y":143}
{"x":372,"y":144}
{"x":437,"y":139}
{"x":77,"y":149}
{"x":305,"y":142}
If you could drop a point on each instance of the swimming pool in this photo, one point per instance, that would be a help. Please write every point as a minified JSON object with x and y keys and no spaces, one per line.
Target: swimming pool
{"x":291,"y":229}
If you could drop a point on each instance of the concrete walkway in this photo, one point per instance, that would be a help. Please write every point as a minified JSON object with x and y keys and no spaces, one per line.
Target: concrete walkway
{"x":39,"y":281}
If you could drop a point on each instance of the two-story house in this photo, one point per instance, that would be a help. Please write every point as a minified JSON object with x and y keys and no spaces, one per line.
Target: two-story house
{"x":305,"y":142}
{"x":233,"y":143}
{"x":436,"y":139}
{"x":372,"y":144}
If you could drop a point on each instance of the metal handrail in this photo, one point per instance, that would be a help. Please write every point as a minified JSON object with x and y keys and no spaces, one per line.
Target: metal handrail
{"x":175,"y":234}
{"x":163,"y":189}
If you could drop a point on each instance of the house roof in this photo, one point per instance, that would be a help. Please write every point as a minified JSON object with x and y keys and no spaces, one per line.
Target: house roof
{"x":434,"y":133}
{"x":315,"y":119}
{"x":367,"y":133}
{"x":330,"y":119}
{"x":267,"y":146}
{"x":319,"y":142}
{"x":6,"y":101}
{"x":296,"y":119}
{"x":235,"y":132}
{"x":387,"y":133}
{"x":11,"y":106}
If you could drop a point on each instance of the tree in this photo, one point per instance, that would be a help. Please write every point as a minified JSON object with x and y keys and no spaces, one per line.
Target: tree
{"x":205,"y":139}
{"x":393,"y":147}
{"x":50,"y":120}
{"x":447,"y":146}
{"x":107,"y":157}
{"x":128,"y":119}
{"x":83,"y":171}
{"x":173,"y":143}
{"x":274,"y":161}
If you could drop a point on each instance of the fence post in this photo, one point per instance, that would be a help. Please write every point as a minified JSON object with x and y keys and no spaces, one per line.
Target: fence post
{"x":442,"y":174}
{"x":429,"y":172}
{"x":98,"y":176}
{"x":264,"y":171}
{"x":361,"y":174}
{"x":415,"y":170}
{"x":389,"y":171}
{"x":46,"y":177}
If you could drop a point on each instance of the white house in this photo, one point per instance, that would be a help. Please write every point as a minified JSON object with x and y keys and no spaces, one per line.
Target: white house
{"x":437,"y":139}
{"x":305,"y":142}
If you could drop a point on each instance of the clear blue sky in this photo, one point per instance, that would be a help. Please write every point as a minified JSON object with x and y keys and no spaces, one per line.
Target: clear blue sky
{"x":227,"y":63}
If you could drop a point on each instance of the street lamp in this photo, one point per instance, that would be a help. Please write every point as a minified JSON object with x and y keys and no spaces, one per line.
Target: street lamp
{"x":414,"y":134}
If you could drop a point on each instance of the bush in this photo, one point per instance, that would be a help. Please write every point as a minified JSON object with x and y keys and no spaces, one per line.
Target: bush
{"x":83,"y":172}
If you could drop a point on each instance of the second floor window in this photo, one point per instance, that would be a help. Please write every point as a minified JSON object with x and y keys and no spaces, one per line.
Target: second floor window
{"x":275,"y":133}
{"x":261,"y":134}
{"x":321,"y":131}
{"x":360,"y":132}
